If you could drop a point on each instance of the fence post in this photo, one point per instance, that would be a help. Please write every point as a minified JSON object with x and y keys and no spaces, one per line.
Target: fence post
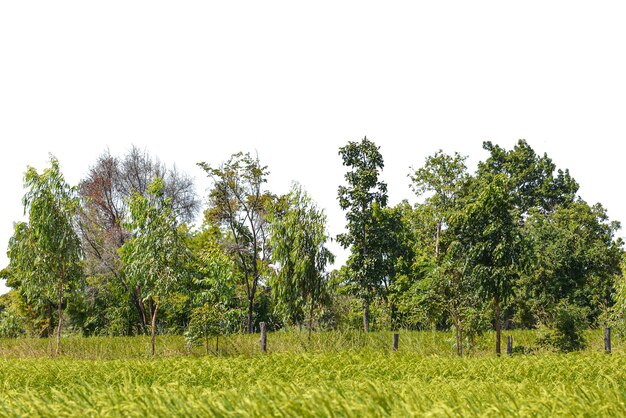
{"x":607,"y":340}
{"x":263,"y":337}
{"x":396,"y":337}
{"x":509,"y":345}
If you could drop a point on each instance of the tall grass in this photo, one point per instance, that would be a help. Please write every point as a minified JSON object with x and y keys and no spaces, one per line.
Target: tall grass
{"x":338,"y":374}
{"x":349,"y":383}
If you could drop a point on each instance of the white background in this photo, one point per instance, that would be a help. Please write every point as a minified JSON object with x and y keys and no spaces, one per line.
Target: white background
{"x":196,"y":81}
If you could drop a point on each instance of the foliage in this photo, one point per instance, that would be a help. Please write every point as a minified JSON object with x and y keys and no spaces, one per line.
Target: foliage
{"x":576,"y":256}
{"x":503,"y":246}
{"x":240,"y":205}
{"x":491,"y":237}
{"x":213,"y":290}
{"x":106,"y":193}
{"x":359,"y":198}
{"x":616,"y":314}
{"x":298,"y":240}
{"x":442,"y":179}
{"x":156,"y":258}
{"x":45,"y":252}
{"x":566,"y":328}
{"x":12,"y":324}
{"x":206,"y":321}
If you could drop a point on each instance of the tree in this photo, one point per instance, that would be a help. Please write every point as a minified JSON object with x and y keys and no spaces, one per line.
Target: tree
{"x":448,"y":286}
{"x":298,"y":238}
{"x":363,"y":192}
{"x":156,"y":258}
{"x":442,"y":179}
{"x":489,"y":230}
{"x":45,"y":252}
{"x":212,"y":290}
{"x":105,"y":195}
{"x":575,"y":257}
{"x":239,"y":204}
{"x":396,"y":245}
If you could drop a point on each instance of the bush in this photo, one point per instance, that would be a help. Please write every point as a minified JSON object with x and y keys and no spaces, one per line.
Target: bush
{"x":566,"y":329}
{"x":11,"y":324}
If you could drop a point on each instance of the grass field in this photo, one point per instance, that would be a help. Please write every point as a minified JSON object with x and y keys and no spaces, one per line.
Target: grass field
{"x":339,"y":374}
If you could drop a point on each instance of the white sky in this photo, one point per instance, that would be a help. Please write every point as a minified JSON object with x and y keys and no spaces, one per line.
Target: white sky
{"x":196,"y":81}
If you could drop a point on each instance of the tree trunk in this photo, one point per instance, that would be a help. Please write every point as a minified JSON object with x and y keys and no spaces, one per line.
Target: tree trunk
{"x":153,"y":327}
{"x":366,"y":316}
{"x":459,"y":335}
{"x":310,"y":320}
{"x":394,"y":314}
{"x":250,"y":323}
{"x":50,"y":330}
{"x":141,"y":309}
{"x":59,"y":318}
{"x":437,"y":238}
{"x":217,"y":344}
{"x":496,"y":305}
{"x":206,"y":343}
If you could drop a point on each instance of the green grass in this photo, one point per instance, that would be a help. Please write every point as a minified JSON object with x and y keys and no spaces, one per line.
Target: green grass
{"x":339,"y":374}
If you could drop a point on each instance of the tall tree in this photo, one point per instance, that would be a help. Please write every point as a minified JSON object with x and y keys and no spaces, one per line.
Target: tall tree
{"x":298,"y":238}
{"x":510,"y":187}
{"x":395,"y":241}
{"x":45,"y":252}
{"x":576,"y":258}
{"x":105,"y":194}
{"x":358,"y":198}
{"x":443,"y":181}
{"x":239,"y":203}
{"x":489,"y":230}
{"x":156,"y":257}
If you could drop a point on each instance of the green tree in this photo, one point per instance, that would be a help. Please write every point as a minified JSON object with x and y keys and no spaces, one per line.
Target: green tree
{"x":156,"y":258}
{"x":441,"y":180}
{"x":509,"y":187}
{"x":212,"y":290}
{"x":358,"y":198}
{"x":448,"y":290}
{"x":489,"y":230}
{"x":576,"y":257}
{"x":298,"y":238}
{"x":572,"y":253}
{"x":396,"y":244}
{"x":447,"y":286}
{"x":45,"y":252}
{"x":239,"y":204}
{"x":105,"y":193}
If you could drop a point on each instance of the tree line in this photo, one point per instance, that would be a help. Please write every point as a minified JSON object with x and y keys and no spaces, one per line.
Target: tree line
{"x":511,"y":244}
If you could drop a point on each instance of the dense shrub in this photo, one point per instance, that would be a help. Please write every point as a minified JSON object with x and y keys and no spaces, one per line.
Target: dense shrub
{"x":566,"y":329}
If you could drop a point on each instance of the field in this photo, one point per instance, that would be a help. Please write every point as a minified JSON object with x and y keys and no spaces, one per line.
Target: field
{"x":338,"y":374}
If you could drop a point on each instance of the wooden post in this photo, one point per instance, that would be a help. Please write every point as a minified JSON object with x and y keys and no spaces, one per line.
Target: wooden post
{"x":607,"y":340}
{"x":509,"y":345}
{"x":396,"y":337}
{"x":263,"y":338}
